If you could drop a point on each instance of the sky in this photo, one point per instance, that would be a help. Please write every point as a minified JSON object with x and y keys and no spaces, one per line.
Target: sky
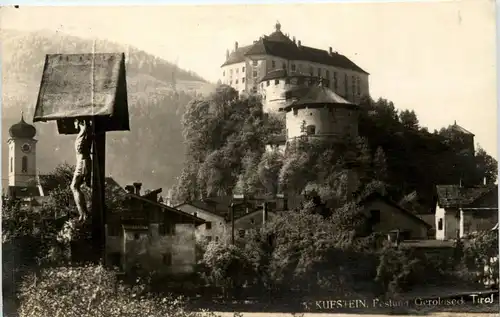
{"x":437,"y":58}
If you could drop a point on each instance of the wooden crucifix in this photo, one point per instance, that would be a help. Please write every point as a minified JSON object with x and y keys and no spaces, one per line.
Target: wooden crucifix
{"x":87,"y":89}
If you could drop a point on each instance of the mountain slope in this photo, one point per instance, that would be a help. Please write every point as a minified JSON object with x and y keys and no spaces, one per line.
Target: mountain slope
{"x":152,"y":152}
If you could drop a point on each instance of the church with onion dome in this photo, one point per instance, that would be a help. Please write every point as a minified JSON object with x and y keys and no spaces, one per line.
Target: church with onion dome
{"x":23,"y":178}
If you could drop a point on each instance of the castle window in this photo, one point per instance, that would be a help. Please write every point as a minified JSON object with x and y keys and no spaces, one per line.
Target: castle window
{"x":243,"y":80}
{"x":243,"y":69}
{"x":276,"y":81}
{"x":273,"y":64}
{"x":231,"y":71}
{"x":311,"y":129}
{"x":167,"y":259}
{"x":328,"y":74}
{"x":24,"y":164}
{"x":335,"y":80}
{"x":284,"y":65}
{"x":293,"y":67}
{"x":255,"y":63}
{"x":346,"y":84}
{"x":230,"y":82}
{"x":208,"y":225}
{"x":254,"y":73}
{"x":319,"y":72}
{"x":440,"y":224}
{"x":295,"y":111}
{"x":236,"y":81}
{"x":224,"y":73}
{"x":267,"y":83}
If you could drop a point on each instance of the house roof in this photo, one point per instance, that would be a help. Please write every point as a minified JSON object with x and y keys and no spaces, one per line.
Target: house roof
{"x":168,"y":208}
{"x":376,"y":195}
{"x":23,"y":191}
{"x":456,"y":196}
{"x":84,"y":85}
{"x":460,"y":129}
{"x":279,"y":45}
{"x":203,"y":206}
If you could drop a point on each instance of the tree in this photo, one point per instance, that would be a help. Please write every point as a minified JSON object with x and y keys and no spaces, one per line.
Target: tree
{"x":409,"y":119}
{"x":380,"y":165}
{"x":486,"y":166}
{"x":268,"y":171}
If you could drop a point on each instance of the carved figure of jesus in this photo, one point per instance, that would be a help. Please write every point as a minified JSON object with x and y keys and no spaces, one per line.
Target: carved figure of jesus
{"x":82,"y":175}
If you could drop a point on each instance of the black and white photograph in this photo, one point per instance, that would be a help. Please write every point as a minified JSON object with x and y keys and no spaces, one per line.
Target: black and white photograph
{"x":244,"y":160}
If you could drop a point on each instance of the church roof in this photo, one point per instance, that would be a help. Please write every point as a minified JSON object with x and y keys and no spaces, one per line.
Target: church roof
{"x":279,"y":45}
{"x":22,"y":130}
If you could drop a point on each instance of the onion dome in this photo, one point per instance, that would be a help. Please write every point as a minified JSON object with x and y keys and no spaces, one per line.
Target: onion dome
{"x":22,"y":130}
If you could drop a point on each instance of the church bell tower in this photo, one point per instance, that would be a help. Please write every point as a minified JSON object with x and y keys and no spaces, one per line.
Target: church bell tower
{"x":22,"y":155}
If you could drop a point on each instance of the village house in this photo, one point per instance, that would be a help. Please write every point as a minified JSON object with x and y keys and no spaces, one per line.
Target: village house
{"x":150,"y":235}
{"x":461,"y":211}
{"x":216,"y":211}
{"x":386,"y":216}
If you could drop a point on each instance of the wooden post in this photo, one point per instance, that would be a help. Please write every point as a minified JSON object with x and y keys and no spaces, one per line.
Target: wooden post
{"x":98,"y":197}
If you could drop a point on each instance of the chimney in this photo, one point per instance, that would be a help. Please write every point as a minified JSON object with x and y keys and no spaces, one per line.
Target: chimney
{"x":235,"y":45}
{"x":331,"y":51}
{"x":265,"y":213}
{"x":137,"y":187}
{"x":299,"y":44}
{"x":129,"y":189}
{"x":227,"y":54}
{"x":294,"y":40}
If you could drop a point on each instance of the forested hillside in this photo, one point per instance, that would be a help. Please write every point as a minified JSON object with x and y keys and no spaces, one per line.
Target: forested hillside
{"x":152,"y":152}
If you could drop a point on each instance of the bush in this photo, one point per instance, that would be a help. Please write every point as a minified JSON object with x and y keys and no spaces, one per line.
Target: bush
{"x":92,"y":291}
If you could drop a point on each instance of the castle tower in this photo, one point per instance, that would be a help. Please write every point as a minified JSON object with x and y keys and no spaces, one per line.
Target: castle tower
{"x":22,"y":156}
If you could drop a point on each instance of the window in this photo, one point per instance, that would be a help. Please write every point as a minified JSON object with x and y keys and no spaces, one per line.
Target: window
{"x":440,"y":224}
{"x":241,"y":233}
{"x":254,"y":73}
{"x":311,"y":129}
{"x":236,"y":81}
{"x":311,"y":70}
{"x":295,"y":111}
{"x":231,"y":71}
{"x":24,"y":164}
{"x":346,"y":85}
{"x":268,"y":83}
{"x":243,"y":69}
{"x":293,"y":67}
{"x":167,"y":259}
{"x":273,"y":64}
{"x":353,"y":86}
{"x":359,"y":86}
{"x":335,"y":80}
{"x":230,"y":82}
{"x":243,"y":80}
{"x":137,"y":236}
{"x":375,"y":216}
{"x":195,"y":214}
{"x":319,"y":72}
{"x":284,"y":65}
{"x":252,"y":221}
{"x":208,"y":225}
{"x":216,"y":238}
{"x":328,"y":74}
{"x":11,"y":164}
{"x":115,"y":259}
{"x":224,"y":73}
{"x":276,"y":81}
{"x":255,"y":63}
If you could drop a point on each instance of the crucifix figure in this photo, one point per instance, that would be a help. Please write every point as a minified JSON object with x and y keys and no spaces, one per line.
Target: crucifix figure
{"x":83,"y":170}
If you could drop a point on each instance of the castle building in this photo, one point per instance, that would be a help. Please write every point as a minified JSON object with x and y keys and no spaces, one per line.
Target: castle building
{"x":22,"y":161}
{"x":317,"y":111}
{"x":247,"y":69}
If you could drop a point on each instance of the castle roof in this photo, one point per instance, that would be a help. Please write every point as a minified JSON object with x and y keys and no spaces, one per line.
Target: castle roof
{"x":279,"y":45}
{"x":455,"y":127}
{"x":282,"y":73}
{"x":22,"y":130}
{"x":315,"y":95}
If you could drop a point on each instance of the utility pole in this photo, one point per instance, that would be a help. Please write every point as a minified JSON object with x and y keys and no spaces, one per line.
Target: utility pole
{"x":232,"y":222}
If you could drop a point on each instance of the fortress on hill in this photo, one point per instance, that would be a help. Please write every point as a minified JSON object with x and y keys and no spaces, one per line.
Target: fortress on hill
{"x":316,"y":90}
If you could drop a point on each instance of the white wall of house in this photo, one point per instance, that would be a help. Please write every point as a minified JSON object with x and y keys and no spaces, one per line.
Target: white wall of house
{"x":215,"y":228}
